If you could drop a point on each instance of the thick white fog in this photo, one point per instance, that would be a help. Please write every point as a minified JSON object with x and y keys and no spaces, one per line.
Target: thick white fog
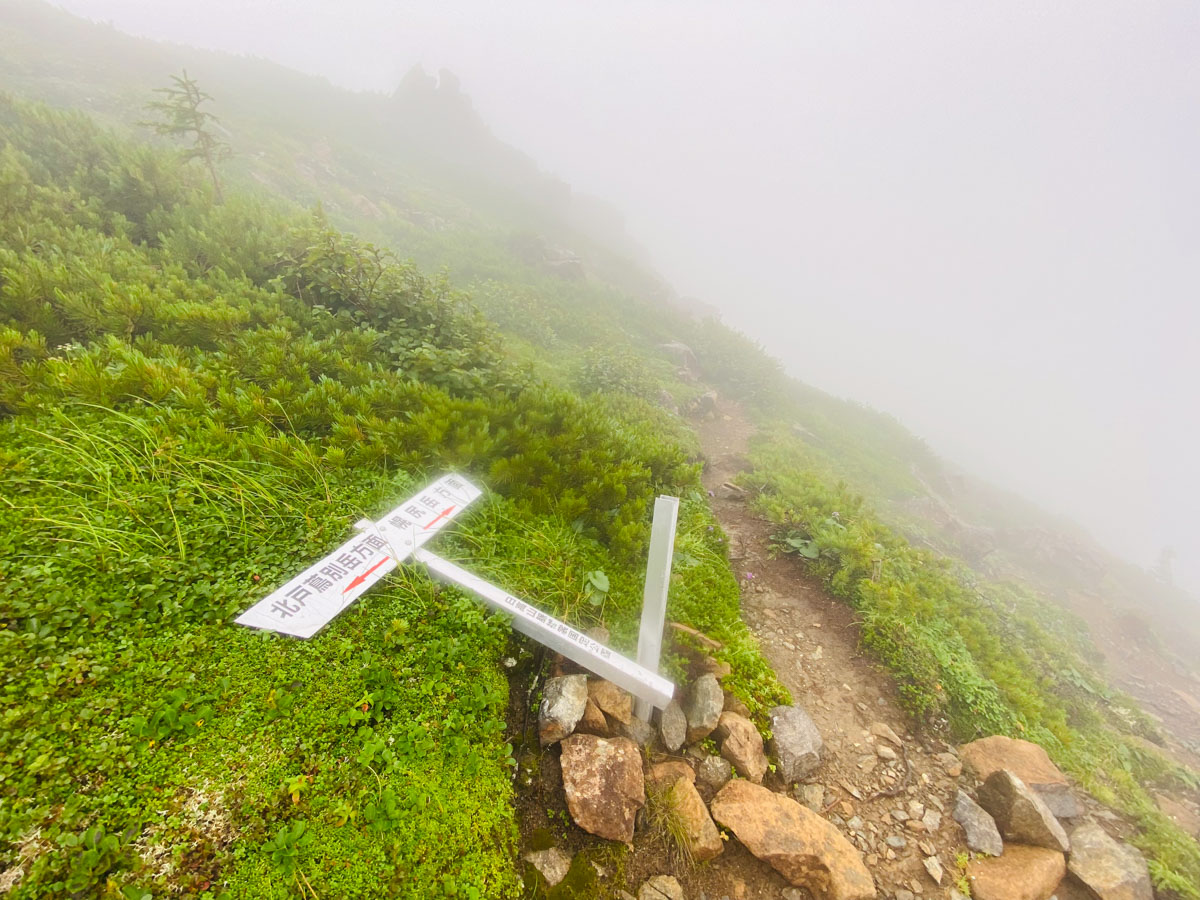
{"x":983,"y":220}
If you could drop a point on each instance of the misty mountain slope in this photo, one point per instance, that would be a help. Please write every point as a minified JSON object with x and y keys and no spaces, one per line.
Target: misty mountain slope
{"x":198,"y":400}
{"x":578,"y":355}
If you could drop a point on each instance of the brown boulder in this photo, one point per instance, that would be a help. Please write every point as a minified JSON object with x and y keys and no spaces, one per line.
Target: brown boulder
{"x":665,"y":774}
{"x":807,"y":850}
{"x":1022,"y":873}
{"x":593,"y":721}
{"x":1020,"y":814}
{"x":1026,"y":760}
{"x":699,"y":833}
{"x":614,"y":702}
{"x":742,"y":745}
{"x":602,"y":780}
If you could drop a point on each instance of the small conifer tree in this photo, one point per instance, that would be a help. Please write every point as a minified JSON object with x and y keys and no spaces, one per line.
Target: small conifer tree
{"x":180,"y":116}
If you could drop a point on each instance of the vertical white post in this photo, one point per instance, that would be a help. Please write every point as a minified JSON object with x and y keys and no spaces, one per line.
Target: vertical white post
{"x":654,"y":597}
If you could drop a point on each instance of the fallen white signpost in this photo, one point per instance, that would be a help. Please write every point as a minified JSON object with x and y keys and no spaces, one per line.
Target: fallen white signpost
{"x":306,"y":603}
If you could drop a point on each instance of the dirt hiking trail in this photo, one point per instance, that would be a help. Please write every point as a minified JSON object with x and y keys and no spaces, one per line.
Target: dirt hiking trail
{"x":811,"y":640}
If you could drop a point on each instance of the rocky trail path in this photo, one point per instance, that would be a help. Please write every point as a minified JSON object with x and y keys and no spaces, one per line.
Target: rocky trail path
{"x":843,"y":802}
{"x":811,"y":640}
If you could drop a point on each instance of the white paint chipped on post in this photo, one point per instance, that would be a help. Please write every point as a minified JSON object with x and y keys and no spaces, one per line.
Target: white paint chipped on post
{"x":310,"y":600}
{"x":646,"y":685}
{"x":654,"y":594}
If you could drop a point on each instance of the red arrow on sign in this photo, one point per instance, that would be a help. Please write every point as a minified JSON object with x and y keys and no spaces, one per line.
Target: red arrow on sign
{"x":363,"y":577}
{"x":443,"y":514}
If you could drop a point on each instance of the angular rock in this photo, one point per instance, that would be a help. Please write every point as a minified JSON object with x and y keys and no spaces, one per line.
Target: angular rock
{"x":1061,"y":801}
{"x":932,"y":820}
{"x":883,"y":730}
{"x":661,"y":887}
{"x":699,"y":833}
{"x":1029,"y":762}
{"x":811,"y":795}
{"x":602,"y":780}
{"x":1022,"y":873}
{"x":672,"y":725}
{"x":933,"y":866}
{"x":664,"y":774}
{"x":742,"y":745}
{"x":593,"y":721}
{"x":982,"y":834}
{"x":802,"y":846}
{"x":714,"y":772}
{"x":1021,"y":815}
{"x":553,"y":864}
{"x":950,"y":763}
{"x":703,"y":707}
{"x":795,"y":742}
{"x":637,"y":730}
{"x":614,"y":702}
{"x":1112,"y":870}
{"x":564,"y":700}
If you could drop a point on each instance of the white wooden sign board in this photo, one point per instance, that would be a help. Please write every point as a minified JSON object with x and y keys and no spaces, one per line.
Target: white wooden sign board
{"x":309,"y":601}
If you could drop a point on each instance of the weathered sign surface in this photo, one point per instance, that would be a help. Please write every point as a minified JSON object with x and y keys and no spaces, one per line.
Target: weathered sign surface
{"x":308,"y":602}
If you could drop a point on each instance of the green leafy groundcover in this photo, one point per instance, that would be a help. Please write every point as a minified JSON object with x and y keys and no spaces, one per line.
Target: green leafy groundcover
{"x":196,"y":400}
{"x":974,"y":659}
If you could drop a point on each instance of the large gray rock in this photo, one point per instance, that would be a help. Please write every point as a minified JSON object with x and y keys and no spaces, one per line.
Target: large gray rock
{"x":1112,"y":870}
{"x":672,"y":725}
{"x":982,"y":834}
{"x":795,"y":742}
{"x":703,"y":707}
{"x":563,"y":701}
{"x":1021,"y":815}
{"x":603,"y":783}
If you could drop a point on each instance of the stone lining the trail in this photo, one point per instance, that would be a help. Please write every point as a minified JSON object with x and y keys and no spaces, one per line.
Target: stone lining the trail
{"x":1022,"y":873}
{"x":615,"y":703}
{"x":802,"y":846}
{"x":564,"y":700}
{"x":714,"y":772}
{"x":700,"y":834}
{"x":1029,"y":762}
{"x":742,"y":745}
{"x":1021,"y":815}
{"x":980,"y":828}
{"x":795,"y":742}
{"x":672,"y":726}
{"x":1112,"y":870}
{"x":603,"y":783}
{"x":703,"y":707}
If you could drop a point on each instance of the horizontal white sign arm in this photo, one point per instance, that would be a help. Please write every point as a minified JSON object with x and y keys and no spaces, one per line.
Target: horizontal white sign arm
{"x":310,"y":600}
{"x":558,"y":635}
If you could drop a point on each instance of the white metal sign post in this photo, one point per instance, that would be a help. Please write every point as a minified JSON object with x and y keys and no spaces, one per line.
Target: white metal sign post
{"x":309,"y":601}
{"x":654,"y":595}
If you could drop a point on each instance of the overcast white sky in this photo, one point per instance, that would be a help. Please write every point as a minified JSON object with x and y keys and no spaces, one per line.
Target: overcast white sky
{"x":982,"y":218}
